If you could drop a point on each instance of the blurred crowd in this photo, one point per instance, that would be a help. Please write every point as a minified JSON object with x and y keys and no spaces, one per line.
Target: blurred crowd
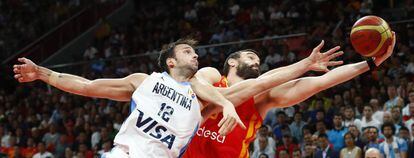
{"x":22,"y":22}
{"x":374,"y":110}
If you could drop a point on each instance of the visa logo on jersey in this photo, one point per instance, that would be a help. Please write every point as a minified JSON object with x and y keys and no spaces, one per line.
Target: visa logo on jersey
{"x":155,"y":130}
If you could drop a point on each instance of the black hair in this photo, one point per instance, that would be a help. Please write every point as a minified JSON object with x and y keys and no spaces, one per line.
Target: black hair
{"x":167,"y":51}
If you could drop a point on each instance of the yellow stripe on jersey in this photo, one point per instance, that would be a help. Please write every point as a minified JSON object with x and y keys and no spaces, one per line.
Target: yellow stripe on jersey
{"x":249,"y":134}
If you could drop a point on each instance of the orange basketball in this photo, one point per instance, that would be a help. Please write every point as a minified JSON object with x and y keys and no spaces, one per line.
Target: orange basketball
{"x":371,"y":36}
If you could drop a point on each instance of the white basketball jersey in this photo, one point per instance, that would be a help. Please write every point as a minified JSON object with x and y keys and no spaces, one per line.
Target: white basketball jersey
{"x":164,"y":120}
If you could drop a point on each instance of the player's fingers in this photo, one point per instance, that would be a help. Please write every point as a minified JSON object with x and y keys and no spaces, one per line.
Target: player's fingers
{"x":21,"y":79}
{"x":335,"y":55}
{"x":16,"y":70}
{"x":223,"y":129}
{"x":226,"y":126}
{"x":17,"y":66}
{"x":241,"y":123}
{"x":232,"y":127}
{"x":17,"y":76}
{"x":222,"y":121}
{"x":23,"y":60}
{"x":331,"y":51}
{"x":335,"y":63}
{"x":319,"y":47}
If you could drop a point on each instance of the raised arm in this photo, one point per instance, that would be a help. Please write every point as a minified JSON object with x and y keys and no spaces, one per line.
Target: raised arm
{"x":246,"y":89}
{"x":300,"y":89}
{"x":116,"y":89}
{"x":208,"y":93}
{"x":316,"y":61}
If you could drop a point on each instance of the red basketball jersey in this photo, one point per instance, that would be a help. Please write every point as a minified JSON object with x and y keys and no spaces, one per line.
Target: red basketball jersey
{"x":207,"y":143}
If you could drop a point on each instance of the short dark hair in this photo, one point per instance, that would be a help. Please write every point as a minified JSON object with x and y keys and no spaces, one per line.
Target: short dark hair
{"x":367,"y":105}
{"x":391,"y":125}
{"x":322,"y":135}
{"x":234,"y":55}
{"x":391,"y":85}
{"x":337,"y":113}
{"x":167,"y":51}
{"x":298,"y":113}
{"x":349,"y":107}
{"x":280,"y":113}
{"x":404,"y":128}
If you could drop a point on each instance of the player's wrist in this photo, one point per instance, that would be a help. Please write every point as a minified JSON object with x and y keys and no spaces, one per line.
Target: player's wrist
{"x":308,"y":63}
{"x":53,"y":78}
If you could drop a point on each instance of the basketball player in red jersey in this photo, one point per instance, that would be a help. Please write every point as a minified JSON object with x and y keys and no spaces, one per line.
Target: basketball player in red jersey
{"x":243,"y":65}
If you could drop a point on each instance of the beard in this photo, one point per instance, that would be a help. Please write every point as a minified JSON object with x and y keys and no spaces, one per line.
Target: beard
{"x":388,"y":136}
{"x":247,"y":71}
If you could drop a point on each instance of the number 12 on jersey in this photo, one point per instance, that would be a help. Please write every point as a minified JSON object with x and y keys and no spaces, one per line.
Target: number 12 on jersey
{"x":165,"y":112}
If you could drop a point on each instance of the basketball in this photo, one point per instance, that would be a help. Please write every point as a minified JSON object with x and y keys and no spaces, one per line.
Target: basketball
{"x":371,"y":36}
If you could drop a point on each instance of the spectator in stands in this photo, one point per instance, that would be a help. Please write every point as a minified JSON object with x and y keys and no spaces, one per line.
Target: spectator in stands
{"x":410,"y":122}
{"x":373,"y":141}
{"x":406,"y":109}
{"x":324,"y":149}
{"x":336,"y":134}
{"x":296,"y":153}
{"x":296,"y":126}
{"x":404,"y":133}
{"x":281,"y":124}
{"x":392,"y":146}
{"x":309,"y":151}
{"x":349,"y":116}
{"x":263,"y":131}
{"x":287,"y":144}
{"x":377,"y":110}
{"x":42,"y":151}
{"x":283,"y":154}
{"x":356,"y":134}
{"x":51,"y":138}
{"x":264,"y":148}
{"x":393,"y":98}
{"x":367,"y":119}
{"x":396,"y":115}
{"x":387,"y":118}
{"x":350,"y":150}
{"x":320,"y":128}
{"x":373,"y":153}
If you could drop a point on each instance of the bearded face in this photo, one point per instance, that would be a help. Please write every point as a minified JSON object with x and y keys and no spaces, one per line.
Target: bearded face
{"x":247,"y":71}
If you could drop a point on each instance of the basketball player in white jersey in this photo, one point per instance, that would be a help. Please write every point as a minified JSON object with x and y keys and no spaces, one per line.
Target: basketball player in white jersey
{"x":167,"y":112}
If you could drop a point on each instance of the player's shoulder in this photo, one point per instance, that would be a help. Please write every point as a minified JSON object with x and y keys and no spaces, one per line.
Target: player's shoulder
{"x":137,"y":76}
{"x":136,"y":79}
{"x":209,"y":74}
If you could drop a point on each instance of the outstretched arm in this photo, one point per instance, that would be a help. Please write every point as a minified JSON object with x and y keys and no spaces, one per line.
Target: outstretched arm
{"x":116,"y":89}
{"x":316,"y":61}
{"x":244,"y":90}
{"x":208,"y":93}
{"x":300,"y":89}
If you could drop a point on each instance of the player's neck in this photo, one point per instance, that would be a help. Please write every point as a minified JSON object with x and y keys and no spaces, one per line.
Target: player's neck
{"x":180,"y":76}
{"x":233,"y":78}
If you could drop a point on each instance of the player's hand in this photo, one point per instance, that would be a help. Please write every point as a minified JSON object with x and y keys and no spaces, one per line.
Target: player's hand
{"x":321,"y":61}
{"x":379,"y":60}
{"x":26,"y":71}
{"x":229,"y":121}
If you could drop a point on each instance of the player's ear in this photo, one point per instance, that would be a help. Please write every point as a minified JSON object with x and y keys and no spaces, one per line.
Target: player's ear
{"x":232,"y":62}
{"x":171,"y":62}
